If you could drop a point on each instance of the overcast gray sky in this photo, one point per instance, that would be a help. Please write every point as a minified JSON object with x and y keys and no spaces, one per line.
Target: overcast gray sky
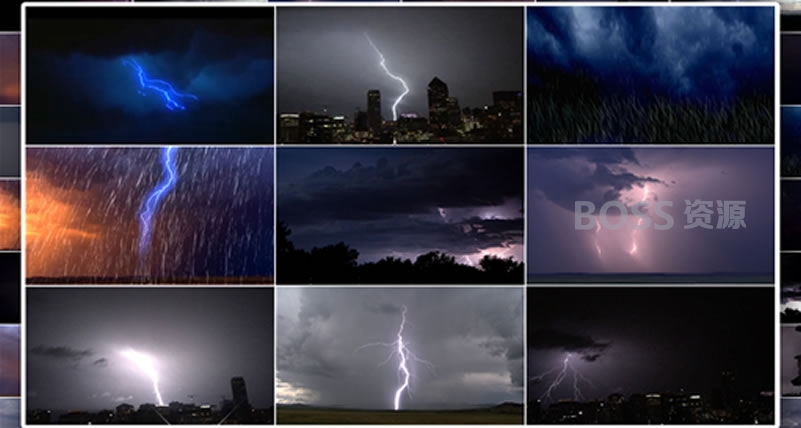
{"x":472,"y":338}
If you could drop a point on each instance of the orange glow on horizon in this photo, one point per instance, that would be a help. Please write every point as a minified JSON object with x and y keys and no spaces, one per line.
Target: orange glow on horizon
{"x":10,"y":221}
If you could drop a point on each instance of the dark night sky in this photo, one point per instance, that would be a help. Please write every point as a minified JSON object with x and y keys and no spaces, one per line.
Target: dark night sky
{"x":791,"y":212}
{"x":665,"y":50}
{"x":472,"y":337}
{"x":199,"y":339}
{"x":9,"y":288}
{"x":9,"y":365}
{"x":791,"y":68}
{"x":9,"y":142}
{"x":83,"y":212}
{"x":559,"y":177}
{"x":791,"y":133}
{"x":85,"y":93}
{"x":643,"y":340}
{"x":404,"y":202}
{"x":325,"y":58}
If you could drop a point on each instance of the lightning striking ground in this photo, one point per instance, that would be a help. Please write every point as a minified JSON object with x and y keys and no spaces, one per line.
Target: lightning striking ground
{"x":383,"y":64}
{"x":154,"y":198}
{"x":164,"y":89}
{"x":400,"y":348}
{"x":562,"y":371}
{"x":147,"y":365}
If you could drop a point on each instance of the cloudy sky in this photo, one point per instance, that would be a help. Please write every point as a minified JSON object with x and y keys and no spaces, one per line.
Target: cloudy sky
{"x":643,"y":340}
{"x":9,"y":363}
{"x":10,"y":222}
{"x":198,"y":338}
{"x":9,"y":413}
{"x":326,"y":60}
{"x":791,"y":282}
{"x":663,"y":49}
{"x":9,"y":141}
{"x":404,"y":202}
{"x":472,"y":339}
{"x":83,"y":213}
{"x":85,"y":93}
{"x":557,"y":178}
{"x":791,"y":413}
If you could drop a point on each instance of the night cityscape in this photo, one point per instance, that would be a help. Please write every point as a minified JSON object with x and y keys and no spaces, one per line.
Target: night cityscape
{"x":446,"y":122}
{"x":235,"y":410}
{"x":651,"y":355}
{"x":376,"y":75}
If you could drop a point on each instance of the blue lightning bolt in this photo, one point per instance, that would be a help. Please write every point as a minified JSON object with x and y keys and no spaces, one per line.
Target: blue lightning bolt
{"x":567,"y":366}
{"x":383,"y":64}
{"x":400,"y":348}
{"x":154,"y":199}
{"x":167,"y":92}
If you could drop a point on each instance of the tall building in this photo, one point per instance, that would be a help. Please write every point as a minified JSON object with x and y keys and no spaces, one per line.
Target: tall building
{"x":374,"y":118}
{"x":239,"y":390}
{"x":438,"y":104}
{"x":454,"y":113}
{"x":241,"y":402}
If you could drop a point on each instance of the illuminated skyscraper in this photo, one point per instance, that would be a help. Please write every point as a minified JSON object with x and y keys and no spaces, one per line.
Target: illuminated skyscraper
{"x":438,"y":104}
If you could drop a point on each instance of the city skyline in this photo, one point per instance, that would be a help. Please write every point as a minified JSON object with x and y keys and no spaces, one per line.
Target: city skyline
{"x":474,"y":63}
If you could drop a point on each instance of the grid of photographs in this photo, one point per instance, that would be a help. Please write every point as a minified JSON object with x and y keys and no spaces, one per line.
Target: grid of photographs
{"x":440,"y":214}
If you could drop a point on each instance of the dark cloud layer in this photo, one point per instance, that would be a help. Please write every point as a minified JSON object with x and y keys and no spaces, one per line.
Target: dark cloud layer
{"x":85,"y":93}
{"x":10,"y":379}
{"x":384,"y":202}
{"x":472,"y":339}
{"x":658,"y":49}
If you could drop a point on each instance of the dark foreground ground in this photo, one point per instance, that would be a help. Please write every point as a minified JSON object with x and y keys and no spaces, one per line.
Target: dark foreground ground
{"x":508,"y":414}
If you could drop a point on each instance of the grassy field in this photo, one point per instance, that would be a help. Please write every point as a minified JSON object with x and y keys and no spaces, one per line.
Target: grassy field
{"x":506,"y":415}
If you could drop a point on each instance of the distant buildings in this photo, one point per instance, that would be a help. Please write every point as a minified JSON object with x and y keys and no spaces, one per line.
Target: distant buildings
{"x":447,"y":122}
{"x":236,"y":411}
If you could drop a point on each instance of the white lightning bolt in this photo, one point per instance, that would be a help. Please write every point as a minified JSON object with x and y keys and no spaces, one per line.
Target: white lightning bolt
{"x":633,"y":249}
{"x":393,"y":76}
{"x":562,"y":374}
{"x":147,"y":365}
{"x":597,"y":230}
{"x":400,"y":348}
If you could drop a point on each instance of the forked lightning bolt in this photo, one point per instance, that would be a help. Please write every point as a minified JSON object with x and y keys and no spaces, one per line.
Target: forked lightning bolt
{"x":383,"y":64}
{"x":400,"y":348}
{"x":634,"y":248}
{"x":154,"y":198}
{"x":164,"y":89}
{"x":562,"y":373}
{"x":147,"y":365}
